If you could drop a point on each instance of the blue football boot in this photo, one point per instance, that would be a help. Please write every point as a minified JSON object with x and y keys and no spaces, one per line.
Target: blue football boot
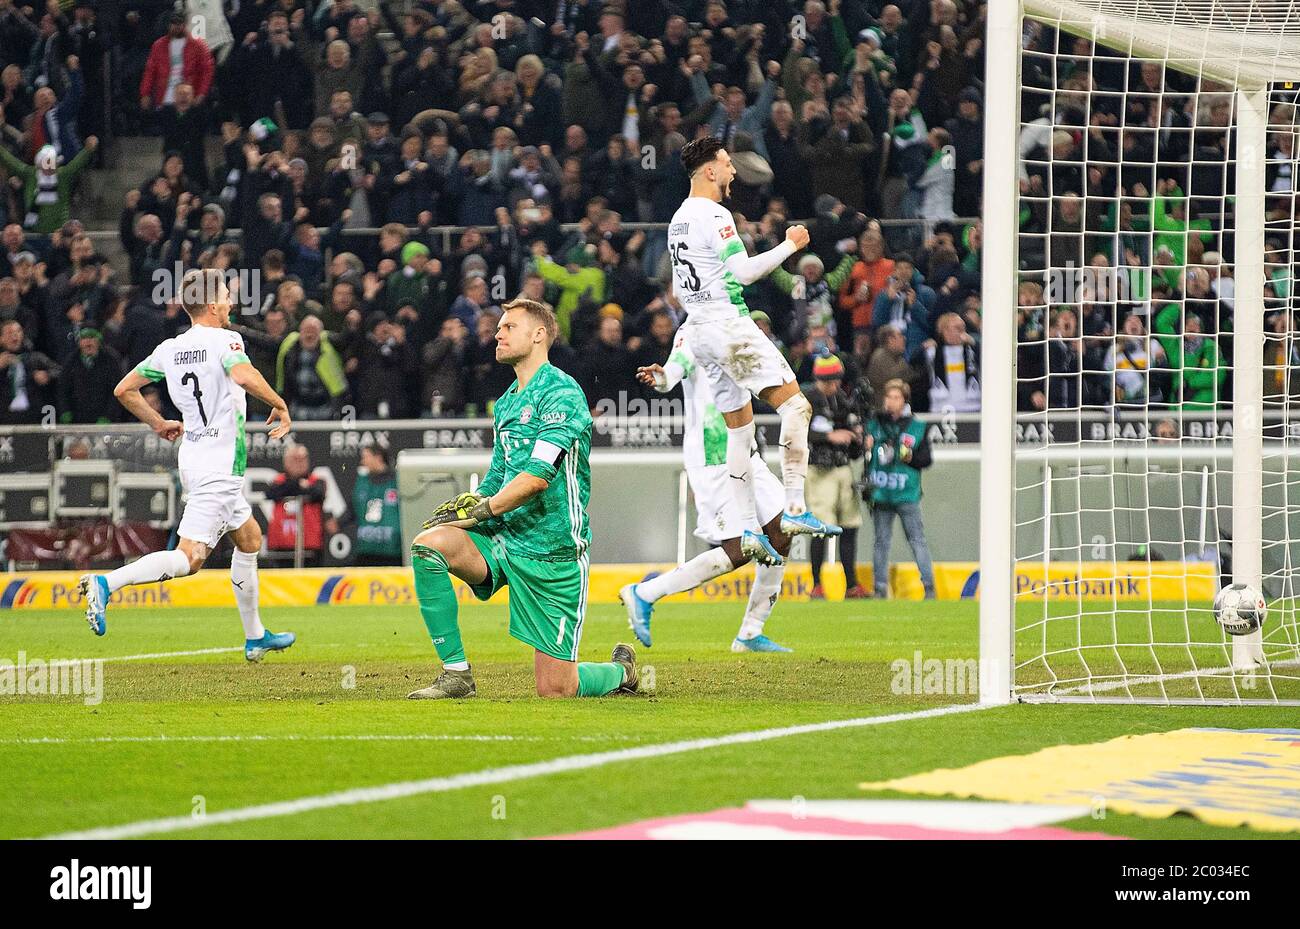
{"x":256,"y":649}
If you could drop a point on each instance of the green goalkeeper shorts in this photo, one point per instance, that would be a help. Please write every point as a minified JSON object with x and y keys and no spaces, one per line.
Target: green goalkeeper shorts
{"x":548,"y":599}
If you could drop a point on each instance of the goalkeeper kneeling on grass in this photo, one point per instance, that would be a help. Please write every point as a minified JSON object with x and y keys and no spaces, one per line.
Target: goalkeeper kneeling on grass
{"x":526,"y":527}
{"x":898,"y":450}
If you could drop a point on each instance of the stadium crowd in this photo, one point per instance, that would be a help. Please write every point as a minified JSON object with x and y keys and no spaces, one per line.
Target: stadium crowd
{"x":547,"y":132}
{"x":551,"y":129}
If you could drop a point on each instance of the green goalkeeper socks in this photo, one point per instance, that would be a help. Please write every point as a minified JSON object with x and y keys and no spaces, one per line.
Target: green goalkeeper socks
{"x":438,"y":603}
{"x":439,"y":608}
{"x":597,"y":678}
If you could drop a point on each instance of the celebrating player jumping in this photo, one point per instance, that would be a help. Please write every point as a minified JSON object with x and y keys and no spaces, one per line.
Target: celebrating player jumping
{"x":704,"y":448}
{"x":709,"y":268}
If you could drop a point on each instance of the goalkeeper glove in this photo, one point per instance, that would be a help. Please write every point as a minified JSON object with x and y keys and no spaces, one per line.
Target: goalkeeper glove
{"x":464,"y":511}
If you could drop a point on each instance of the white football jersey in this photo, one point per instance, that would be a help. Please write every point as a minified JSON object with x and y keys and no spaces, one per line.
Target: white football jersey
{"x":196,"y":366}
{"x":701,"y":237}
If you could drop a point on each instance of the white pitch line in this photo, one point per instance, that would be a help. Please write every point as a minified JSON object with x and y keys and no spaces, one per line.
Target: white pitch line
{"x":519,"y":772}
{"x":1121,"y":684}
{"x":414,"y":737}
{"x":197,"y":651}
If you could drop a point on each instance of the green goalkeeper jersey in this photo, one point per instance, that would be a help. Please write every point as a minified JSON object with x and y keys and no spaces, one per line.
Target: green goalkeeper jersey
{"x":544,"y":429}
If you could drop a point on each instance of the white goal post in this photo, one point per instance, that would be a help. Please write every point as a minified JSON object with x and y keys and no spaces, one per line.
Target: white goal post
{"x":1152,"y":652}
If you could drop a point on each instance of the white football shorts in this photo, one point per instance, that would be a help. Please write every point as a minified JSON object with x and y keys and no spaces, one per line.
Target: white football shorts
{"x":738,"y":360}
{"x":214,"y":505}
{"x":716,"y":519}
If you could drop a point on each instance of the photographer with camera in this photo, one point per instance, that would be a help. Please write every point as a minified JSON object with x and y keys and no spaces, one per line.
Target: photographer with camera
{"x":835,"y":439}
{"x":899,"y":451}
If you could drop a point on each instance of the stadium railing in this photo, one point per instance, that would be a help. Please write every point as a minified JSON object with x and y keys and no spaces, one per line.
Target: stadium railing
{"x":899,"y":233}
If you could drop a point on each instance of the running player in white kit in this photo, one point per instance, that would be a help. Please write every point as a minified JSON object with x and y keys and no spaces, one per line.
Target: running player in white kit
{"x":704,"y":450}
{"x":710,"y":267}
{"x":207,"y":374}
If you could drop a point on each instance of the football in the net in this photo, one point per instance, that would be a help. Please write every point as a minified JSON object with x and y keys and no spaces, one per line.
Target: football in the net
{"x":1240,"y":609}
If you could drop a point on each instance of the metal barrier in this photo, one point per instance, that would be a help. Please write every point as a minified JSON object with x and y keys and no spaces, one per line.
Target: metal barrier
{"x":894,"y":230}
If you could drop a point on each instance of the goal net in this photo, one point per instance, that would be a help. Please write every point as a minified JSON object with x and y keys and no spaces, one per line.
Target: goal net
{"x":1152,"y":359}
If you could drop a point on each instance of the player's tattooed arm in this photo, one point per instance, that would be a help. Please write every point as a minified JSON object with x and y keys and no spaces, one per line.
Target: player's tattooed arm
{"x":128,"y":394}
{"x":249,"y":378}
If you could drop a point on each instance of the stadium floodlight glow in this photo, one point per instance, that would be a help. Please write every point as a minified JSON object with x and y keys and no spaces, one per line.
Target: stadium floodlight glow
{"x":1125,"y":482}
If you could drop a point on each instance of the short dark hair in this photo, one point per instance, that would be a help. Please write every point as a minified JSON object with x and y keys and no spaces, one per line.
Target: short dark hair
{"x":699,"y":152}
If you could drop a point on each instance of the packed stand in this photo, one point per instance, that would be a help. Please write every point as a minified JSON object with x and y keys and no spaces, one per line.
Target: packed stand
{"x":1127,"y":234}
{"x":553,"y":131}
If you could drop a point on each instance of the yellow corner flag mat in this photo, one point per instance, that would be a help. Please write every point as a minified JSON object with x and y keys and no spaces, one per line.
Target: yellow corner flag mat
{"x":1225,"y":777}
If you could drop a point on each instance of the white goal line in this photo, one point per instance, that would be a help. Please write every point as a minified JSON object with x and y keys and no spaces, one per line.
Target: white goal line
{"x":1111,"y":683}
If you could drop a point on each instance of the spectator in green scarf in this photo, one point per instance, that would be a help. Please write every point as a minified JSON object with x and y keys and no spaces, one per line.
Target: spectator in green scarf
{"x":46,"y":187}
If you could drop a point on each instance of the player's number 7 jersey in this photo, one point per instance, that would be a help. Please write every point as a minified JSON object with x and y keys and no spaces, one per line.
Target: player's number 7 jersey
{"x":701,"y":237}
{"x":196,"y":366}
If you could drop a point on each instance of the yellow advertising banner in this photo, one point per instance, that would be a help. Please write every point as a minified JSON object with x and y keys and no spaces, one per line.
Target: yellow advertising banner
{"x":394,"y":586}
{"x":1226,"y":777}
{"x":369,"y":587}
{"x":1076,"y":580}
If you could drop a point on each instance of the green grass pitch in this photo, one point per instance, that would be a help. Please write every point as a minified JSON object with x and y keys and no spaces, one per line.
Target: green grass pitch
{"x":179,"y":732}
